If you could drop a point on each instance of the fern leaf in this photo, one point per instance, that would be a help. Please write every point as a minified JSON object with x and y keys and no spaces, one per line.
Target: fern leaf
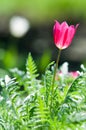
{"x":31,"y":67}
{"x":47,"y":82}
{"x":40,"y":115}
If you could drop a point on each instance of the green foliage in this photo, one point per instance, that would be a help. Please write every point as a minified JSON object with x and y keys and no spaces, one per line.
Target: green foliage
{"x":25,"y":100}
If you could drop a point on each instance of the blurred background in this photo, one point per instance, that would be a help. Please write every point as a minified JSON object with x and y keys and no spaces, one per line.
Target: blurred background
{"x":26,"y":26}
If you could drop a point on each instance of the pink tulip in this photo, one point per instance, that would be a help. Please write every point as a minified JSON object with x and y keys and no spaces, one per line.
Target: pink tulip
{"x":63,"y":34}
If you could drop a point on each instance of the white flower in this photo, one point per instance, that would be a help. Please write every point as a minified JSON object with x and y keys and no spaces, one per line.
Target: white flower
{"x":64,"y":68}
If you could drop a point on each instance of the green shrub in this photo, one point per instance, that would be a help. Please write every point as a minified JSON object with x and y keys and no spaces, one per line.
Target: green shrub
{"x":25,"y":100}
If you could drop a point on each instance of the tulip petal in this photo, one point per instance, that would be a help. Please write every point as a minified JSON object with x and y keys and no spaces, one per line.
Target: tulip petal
{"x":65,"y":39}
{"x":76,"y":26}
{"x":56,"y":31}
{"x":71,"y":32}
{"x":63,"y":34}
{"x":64,"y":25}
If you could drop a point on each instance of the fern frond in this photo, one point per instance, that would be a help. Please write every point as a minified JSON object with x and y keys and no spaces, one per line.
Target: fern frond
{"x":40,"y":117}
{"x":31,"y":67}
{"x":32,"y":83}
{"x":47,"y":82}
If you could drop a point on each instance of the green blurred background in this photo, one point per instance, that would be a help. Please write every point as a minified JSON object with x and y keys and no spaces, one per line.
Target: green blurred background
{"x":38,"y":38}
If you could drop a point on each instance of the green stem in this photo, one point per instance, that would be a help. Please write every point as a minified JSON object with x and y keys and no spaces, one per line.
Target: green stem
{"x":55,"y":70}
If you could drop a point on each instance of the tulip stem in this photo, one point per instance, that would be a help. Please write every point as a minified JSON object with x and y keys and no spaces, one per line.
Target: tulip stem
{"x":55,"y":71}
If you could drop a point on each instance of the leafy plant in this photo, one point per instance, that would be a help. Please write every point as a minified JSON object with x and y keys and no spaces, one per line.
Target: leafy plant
{"x":25,"y":100}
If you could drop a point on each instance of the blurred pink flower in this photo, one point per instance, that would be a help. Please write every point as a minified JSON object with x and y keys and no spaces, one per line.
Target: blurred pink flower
{"x":63,"y":34}
{"x":74,"y":74}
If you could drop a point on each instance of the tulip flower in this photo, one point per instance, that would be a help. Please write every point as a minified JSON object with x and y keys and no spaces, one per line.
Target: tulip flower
{"x":63,"y":34}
